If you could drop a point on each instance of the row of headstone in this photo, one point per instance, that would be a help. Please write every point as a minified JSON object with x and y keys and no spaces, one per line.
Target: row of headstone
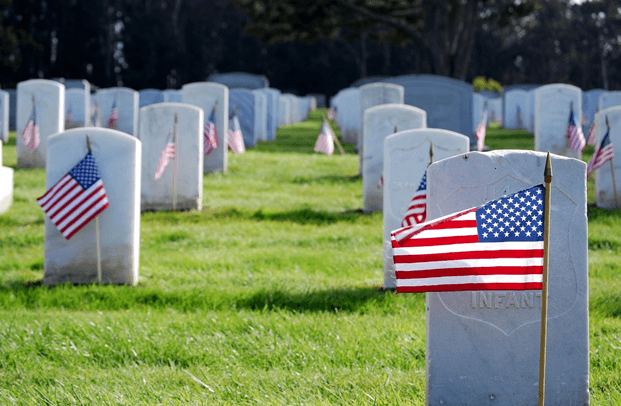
{"x":607,"y":185}
{"x":6,"y":185}
{"x":4,"y":116}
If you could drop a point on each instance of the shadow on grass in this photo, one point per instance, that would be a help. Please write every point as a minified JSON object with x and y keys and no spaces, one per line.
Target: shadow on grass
{"x":326,"y":180}
{"x":310,"y":216}
{"x":34,"y":295}
{"x":607,"y":306}
{"x":595,"y":213}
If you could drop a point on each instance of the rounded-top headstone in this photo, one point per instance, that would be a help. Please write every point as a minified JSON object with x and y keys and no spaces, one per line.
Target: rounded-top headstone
{"x":240,"y":80}
{"x":609,"y":99}
{"x":118,"y":158}
{"x":608,"y":194}
{"x":77,"y":107}
{"x":4,"y":116}
{"x":126,"y":100}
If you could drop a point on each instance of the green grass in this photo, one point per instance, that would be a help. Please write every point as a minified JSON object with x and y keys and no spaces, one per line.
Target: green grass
{"x":270,"y":295}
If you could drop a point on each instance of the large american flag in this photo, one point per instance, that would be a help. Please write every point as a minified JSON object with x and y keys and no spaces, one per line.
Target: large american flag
{"x":574,"y":132}
{"x":480,"y":131}
{"x":604,"y":153}
{"x":235,"y":138}
{"x":77,"y":198}
{"x":30,"y":136}
{"x":496,"y":246}
{"x":325,"y":141}
{"x":114,"y":115}
{"x":210,"y":141}
{"x":417,"y":212}
{"x":167,"y":154}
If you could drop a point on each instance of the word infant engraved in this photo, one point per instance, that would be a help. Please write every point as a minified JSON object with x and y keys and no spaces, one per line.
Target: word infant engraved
{"x":505,"y":300}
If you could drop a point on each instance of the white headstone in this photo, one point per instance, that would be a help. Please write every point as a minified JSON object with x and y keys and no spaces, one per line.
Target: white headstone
{"x":77,"y":103}
{"x":156,"y":124}
{"x":609,"y":99}
{"x":4,"y":116}
{"x":6,"y":186}
{"x":406,"y":157}
{"x":371,"y":95}
{"x":552,"y":107}
{"x":205,"y":95}
{"x":260,"y":115}
{"x":118,"y":157}
{"x":172,"y":96}
{"x":379,"y":122}
{"x":148,"y":97}
{"x":494,"y":106}
{"x":590,"y":100}
{"x":483,"y":346}
{"x":604,"y":187}
{"x":516,"y":114}
{"x":284,"y":111}
{"x":531,"y":102}
{"x":127,"y":105}
{"x":240,"y":80}
{"x":347,"y":106}
{"x":273,"y":115}
{"x":478,"y":103}
{"x":49,"y":98}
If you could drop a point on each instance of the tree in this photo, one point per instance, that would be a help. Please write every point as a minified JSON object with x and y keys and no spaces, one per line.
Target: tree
{"x":442,"y":30}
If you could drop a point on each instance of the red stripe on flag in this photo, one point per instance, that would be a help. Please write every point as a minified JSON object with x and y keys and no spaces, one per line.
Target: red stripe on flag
{"x":503,"y":270}
{"x":87,"y":220}
{"x":471,"y":286}
{"x":452,"y":256}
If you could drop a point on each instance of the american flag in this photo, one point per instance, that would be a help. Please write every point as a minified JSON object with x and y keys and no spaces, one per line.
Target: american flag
{"x":603,"y":154}
{"x":585,"y":120}
{"x":77,"y":198}
{"x":496,"y":246}
{"x":331,"y":113}
{"x":417,"y":212}
{"x":235,"y":139}
{"x":68,"y":117}
{"x":591,"y":138}
{"x":210,"y":141}
{"x":574,"y":132}
{"x":325,"y":141}
{"x":480,"y":131}
{"x":114,"y":115}
{"x":167,"y":153}
{"x":30,"y":136}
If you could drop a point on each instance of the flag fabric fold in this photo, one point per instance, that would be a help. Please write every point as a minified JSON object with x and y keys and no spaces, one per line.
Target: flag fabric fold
{"x":210,"y":133}
{"x":417,"y":211}
{"x":235,"y":138}
{"x":77,"y":198}
{"x":481,"y":129}
{"x":604,"y":153}
{"x":30,"y":136}
{"x":325,"y":141}
{"x":114,"y":115}
{"x":574,"y":132}
{"x":168,"y":153}
{"x":496,"y":246}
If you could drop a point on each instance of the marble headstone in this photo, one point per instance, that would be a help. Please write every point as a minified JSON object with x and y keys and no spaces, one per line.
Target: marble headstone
{"x":244,"y":101}
{"x":127,"y":104}
{"x":77,"y":102}
{"x":378,"y":123}
{"x":590,"y":101}
{"x":295,"y":108}
{"x":531,"y":101}
{"x":6,"y":185}
{"x":494,"y":106}
{"x":273,"y":106}
{"x":478,"y":103}
{"x":49,"y":98}
{"x":347,"y":104}
{"x":156,"y":124}
{"x":205,"y":95}
{"x":552,"y":106}
{"x":406,"y":157}
{"x":172,"y":96}
{"x":150,"y":96}
{"x":516,"y":111}
{"x":12,"y":109}
{"x":118,"y":157}
{"x":609,"y":99}
{"x":604,"y":187}
{"x":371,"y":95}
{"x":260,"y":117}
{"x":482,"y":347}
{"x":240,"y":80}
{"x":4,"y":116}
{"x":284,"y":111}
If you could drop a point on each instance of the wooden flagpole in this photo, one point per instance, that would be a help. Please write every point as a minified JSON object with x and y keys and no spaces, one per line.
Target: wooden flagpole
{"x":338,"y":143}
{"x":430,"y":153}
{"x":544,"y":289}
{"x":175,"y":164}
{"x":612,"y":171}
{"x":97,"y":243}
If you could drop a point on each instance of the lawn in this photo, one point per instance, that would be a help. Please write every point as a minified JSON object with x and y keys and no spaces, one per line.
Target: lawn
{"x":270,"y":295}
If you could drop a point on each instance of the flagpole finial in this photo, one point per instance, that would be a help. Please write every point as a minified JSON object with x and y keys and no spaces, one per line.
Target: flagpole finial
{"x":88,"y":142}
{"x":547,"y":174}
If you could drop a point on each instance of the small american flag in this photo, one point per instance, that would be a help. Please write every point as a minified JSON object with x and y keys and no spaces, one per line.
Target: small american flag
{"x":77,"y":198}
{"x":331,"y":113}
{"x":210,"y":141}
{"x":603,"y":154}
{"x":235,"y":139}
{"x":30,"y":136}
{"x":69,"y":117}
{"x":167,"y":153}
{"x":591,"y":138}
{"x":114,"y":115}
{"x":417,"y":212}
{"x":496,"y":246}
{"x":585,"y":120}
{"x":480,"y":131}
{"x":325,"y":141}
{"x":574,"y":132}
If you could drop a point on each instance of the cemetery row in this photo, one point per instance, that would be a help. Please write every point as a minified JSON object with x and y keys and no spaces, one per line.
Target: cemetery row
{"x":403,"y":157}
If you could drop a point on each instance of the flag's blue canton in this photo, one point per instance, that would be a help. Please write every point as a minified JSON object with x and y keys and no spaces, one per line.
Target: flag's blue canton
{"x":86,"y":172}
{"x":571,"y":119}
{"x":516,"y":217}
{"x":423,"y":183}
{"x":606,"y":140}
